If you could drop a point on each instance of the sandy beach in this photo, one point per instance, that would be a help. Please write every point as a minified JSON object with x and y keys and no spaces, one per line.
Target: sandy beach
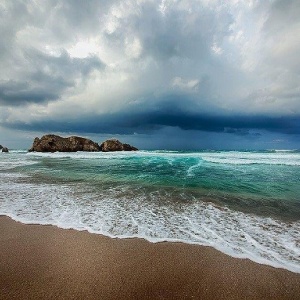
{"x":45,"y":262}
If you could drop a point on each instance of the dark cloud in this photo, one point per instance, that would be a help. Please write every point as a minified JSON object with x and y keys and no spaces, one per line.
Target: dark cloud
{"x":19,"y":93}
{"x":32,"y":74}
{"x":149,"y":121}
{"x":48,"y":77}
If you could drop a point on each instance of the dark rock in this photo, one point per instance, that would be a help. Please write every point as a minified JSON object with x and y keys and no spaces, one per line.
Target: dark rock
{"x":1,"y":147}
{"x":115,"y":145}
{"x":127,"y":147}
{"x":53,"y":143}
{"x":4,"y":149}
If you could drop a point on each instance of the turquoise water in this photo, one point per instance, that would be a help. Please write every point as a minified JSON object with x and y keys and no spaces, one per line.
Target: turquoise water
{"x":246,"y":204}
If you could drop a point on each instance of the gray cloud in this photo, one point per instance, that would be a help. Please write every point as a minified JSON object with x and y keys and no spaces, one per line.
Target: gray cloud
{"x":143,"y":66}
{"x":48,"y":77}
{"x":19,"y":93}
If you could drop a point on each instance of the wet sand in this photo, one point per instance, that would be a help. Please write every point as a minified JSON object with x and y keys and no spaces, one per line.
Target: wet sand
{"x":45,"y":262}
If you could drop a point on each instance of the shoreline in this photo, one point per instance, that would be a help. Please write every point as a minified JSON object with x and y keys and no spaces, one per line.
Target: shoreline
{"x":153,"y":241}
{"x":44,"y":261}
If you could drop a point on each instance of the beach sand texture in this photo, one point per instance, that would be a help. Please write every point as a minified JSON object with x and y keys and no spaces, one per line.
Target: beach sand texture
{"x":45,"y":262}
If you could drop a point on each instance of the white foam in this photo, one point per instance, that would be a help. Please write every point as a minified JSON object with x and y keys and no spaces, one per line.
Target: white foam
{"x":190,"y":171}
{"x":125,"y":212}
{"x":285,"y":150}
{"x":85,"y":155}
{"x":246,"y":158}
{"x":17,"y":151}
{"x":11,"y":161}
{"x":234,"y":157}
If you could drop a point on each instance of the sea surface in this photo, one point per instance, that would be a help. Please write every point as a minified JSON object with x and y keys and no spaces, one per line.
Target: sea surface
{"x":245,"y":204}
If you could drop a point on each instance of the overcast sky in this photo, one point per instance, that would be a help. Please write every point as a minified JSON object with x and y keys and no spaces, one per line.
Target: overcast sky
{"x":169,"y":74}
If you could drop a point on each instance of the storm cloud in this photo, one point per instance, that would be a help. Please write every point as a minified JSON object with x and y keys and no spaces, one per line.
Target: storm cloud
{"x":48,"y":77}
{"x":143,"y":122}
{"x":143,"y":67}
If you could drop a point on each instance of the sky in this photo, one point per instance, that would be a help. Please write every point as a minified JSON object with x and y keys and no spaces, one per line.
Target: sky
{"x":159,"y":74}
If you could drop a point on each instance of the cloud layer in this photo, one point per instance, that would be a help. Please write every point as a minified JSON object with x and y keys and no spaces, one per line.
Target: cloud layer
{"x":126,"y":67}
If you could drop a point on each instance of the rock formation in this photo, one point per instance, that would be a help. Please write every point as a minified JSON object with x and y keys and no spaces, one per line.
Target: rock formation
{"x":115,"y":145}
{"x":4,"y":149}
{"x":1,"y":147}
{"x":53,"y":143}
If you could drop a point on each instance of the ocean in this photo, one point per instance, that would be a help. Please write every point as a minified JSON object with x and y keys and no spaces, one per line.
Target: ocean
{"x":245,"y":204}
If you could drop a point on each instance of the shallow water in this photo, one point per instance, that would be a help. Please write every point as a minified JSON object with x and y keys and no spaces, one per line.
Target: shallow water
{"x":246,"y":204}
